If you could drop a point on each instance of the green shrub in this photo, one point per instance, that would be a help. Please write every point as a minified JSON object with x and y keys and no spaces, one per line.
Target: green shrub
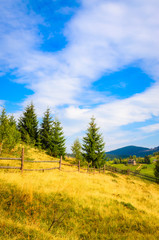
{"x":128,"y":205}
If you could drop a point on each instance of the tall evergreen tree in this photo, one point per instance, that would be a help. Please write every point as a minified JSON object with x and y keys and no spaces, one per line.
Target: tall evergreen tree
{"x":93,"y":145}
{"x":9,"y":135}
{"x":46,"y":130}
{"x":28,"y":125}
{"x":58,"y":140}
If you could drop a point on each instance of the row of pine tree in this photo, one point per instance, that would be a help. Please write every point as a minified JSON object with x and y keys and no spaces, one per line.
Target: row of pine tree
{"x":49,"y":136}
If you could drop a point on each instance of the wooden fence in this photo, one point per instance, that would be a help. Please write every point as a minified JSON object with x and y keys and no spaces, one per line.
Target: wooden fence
{"x":87,"y":169}
{"x":30,"y":161}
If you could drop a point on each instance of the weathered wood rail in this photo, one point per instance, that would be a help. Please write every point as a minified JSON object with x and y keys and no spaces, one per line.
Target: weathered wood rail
{"x":30,"y":161}
{"x":15,"y":159}
{"x":87,"y":169}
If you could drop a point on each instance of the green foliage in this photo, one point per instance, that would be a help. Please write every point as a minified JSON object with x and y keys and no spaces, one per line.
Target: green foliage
{"x":9,"y":135}
{"x":140,"y":160}
{"x":116,"y":161}
{"x":76,"y":149}
{"x":46,"y":130}
{"x":128,"y":205}
{"x":93,"y":145}
{"x":52,"y":136}
{"x":57,"y":147}
{"x":28,"y":125}
{"x":155,"y":153}
{"x":147,"y":160}
{"x":156,"y":171}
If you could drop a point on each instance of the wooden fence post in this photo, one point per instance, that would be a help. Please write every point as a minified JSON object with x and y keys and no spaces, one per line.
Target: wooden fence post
{"x":60,"y":162}
{"x":88,"y":168}
{"x":79,"y":166}
{"x":104,"y":169}
{"x":99,"y":170}
{"x":22,"y":160}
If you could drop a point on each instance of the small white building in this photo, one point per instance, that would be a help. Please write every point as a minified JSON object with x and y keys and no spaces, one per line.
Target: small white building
{"x":132,"y":161}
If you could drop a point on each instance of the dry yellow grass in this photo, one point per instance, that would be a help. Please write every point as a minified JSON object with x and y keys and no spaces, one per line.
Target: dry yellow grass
{"x":97,"y":206}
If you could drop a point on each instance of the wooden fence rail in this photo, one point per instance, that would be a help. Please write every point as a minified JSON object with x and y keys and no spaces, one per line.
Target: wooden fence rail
{"x":88,"y":169}
{"x":15,"y":159}
{"x":10,"y":158}
{"x":9,"y":167}
{"x":43,"y":161}
{"x":41,"y":169}
{"x":30,"y":161}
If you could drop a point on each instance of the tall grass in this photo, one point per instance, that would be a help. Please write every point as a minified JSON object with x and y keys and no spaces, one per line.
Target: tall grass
{"x":65,"y":205}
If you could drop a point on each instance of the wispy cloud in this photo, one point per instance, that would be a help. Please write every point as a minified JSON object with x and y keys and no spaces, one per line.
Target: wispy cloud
{"x":151,"y":128}
{"x":103,"y":37}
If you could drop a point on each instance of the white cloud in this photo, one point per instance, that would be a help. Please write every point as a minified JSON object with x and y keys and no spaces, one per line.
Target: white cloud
{"x":103,"y":37}
{"x":117,"y":113}
{"x":150,"y":128}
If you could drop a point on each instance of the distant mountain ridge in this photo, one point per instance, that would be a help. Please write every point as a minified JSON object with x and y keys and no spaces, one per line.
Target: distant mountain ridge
{"x":130,"y":151}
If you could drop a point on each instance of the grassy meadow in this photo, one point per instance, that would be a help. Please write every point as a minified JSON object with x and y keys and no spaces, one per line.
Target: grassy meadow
{"x":147,"y":169}
{"x":70,"y":205}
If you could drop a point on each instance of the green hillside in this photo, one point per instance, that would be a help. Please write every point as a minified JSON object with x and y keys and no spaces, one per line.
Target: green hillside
{"x":130,"y":151}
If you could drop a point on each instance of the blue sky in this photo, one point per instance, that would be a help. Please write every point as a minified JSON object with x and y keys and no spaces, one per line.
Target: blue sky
{"x":84,"y":58}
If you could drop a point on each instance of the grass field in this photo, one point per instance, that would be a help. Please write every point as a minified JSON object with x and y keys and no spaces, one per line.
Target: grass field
{"x":70,"y":205}
{"x":147,"y":169}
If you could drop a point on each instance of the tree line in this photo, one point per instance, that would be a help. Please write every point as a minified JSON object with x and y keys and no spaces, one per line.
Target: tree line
{"x":49,"y":135}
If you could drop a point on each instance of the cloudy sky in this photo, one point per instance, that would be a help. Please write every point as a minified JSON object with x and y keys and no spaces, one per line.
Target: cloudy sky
{"x":84,"y":58}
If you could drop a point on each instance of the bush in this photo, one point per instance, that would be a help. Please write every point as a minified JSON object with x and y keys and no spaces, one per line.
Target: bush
{"x":156,"y":171}
{"x":147,"y":160}
{"x":144,"y":167}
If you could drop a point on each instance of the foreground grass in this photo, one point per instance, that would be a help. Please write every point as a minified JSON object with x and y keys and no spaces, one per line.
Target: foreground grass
{"x":61,"y":205}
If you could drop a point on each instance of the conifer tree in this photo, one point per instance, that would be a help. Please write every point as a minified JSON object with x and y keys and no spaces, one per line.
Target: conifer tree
{"x":93,"y":145}
{"x":12,"y":121}
{"x":76,"y":149}
{"x":28,"y":125}
{"x":9,"y":135}
{"x":58,"y":140}
{"x":46,"y":130}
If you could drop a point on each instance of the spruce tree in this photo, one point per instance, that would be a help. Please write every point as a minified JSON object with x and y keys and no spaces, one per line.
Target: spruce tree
{"x":93,"y":145}
{"x":9,"y":135}
{"x":28,"y":125}
{"x":46,"y":130}
{"x":58,"y":140}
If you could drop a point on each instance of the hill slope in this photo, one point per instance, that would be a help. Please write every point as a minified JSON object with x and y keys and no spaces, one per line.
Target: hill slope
{"x":70,"y":205}
{"x":132,"y":150}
